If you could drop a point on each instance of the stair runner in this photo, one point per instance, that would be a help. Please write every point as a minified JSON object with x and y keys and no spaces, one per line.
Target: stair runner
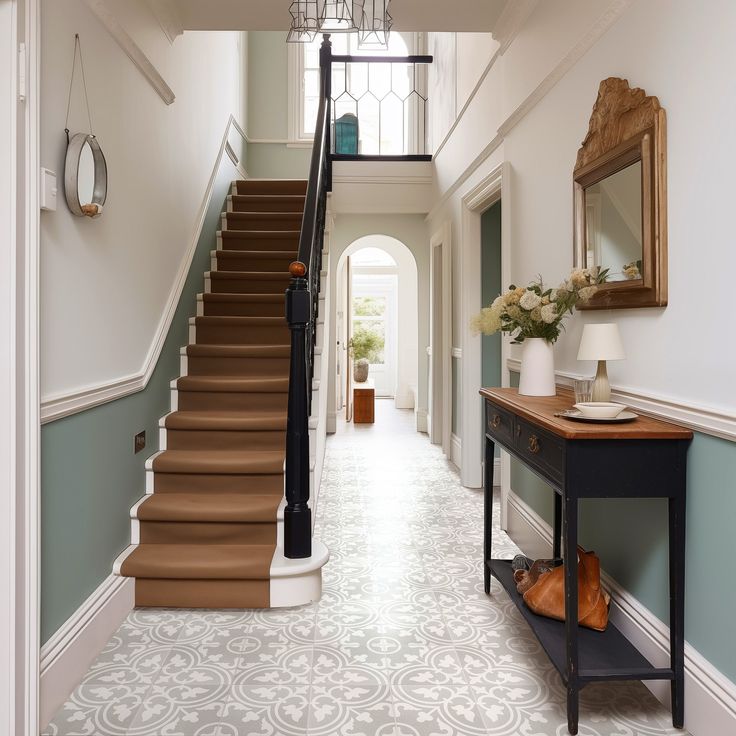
{"x":206,"y":532}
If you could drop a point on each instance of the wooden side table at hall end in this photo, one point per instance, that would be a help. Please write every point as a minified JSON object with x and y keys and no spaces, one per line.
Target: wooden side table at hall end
{"x":364,"y":403}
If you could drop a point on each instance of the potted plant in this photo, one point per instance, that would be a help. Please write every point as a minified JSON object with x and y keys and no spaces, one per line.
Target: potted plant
{"x":365,"y":346}
{"x":533,"y":316}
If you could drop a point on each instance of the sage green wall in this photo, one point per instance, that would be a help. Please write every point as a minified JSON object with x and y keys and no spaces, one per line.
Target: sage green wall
{"x":631,"y":538}
{"x":89,"y":475}
{"x":268,"y":110}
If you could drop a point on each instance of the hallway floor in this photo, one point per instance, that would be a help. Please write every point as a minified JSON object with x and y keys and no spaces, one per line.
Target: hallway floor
{"x":403,"y":643}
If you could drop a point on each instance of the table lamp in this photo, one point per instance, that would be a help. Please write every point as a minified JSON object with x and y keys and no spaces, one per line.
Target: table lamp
{"x":601,"y":342}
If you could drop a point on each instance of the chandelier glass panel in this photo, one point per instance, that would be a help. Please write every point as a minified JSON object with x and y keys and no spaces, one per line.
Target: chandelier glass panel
{"x":369,"y":18}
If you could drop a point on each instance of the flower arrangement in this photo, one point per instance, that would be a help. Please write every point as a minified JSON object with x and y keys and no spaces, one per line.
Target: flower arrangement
{"x":533,"y":311}
{"x":632,"y":270}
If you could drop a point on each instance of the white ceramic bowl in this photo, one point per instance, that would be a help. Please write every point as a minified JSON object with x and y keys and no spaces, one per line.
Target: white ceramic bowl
{"x":600,"y":409}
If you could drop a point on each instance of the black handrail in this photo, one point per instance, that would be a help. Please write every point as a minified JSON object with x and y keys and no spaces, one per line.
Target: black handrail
{"x":302,"y":303}
{"x":302,"y":311}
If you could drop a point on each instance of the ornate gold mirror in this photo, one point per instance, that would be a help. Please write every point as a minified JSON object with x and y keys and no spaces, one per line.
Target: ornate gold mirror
{"x":620,"y":198}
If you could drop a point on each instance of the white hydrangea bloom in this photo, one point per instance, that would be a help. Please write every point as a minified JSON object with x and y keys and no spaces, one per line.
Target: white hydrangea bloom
{"x":549,"y":313}
{"x":530,"y":301}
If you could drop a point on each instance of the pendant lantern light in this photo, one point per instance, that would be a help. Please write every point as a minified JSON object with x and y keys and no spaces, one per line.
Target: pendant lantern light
{"x":375,"y":26}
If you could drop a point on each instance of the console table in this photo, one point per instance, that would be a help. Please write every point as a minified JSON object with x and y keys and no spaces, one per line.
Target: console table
{"x":645,"y":458}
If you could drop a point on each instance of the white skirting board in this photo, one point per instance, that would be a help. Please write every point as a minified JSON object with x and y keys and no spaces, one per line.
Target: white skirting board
{"x":66,"y":657}
{"x":710,"y":697}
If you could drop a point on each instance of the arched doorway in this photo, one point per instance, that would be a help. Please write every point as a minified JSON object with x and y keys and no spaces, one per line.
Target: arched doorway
{"x":377,"y":306}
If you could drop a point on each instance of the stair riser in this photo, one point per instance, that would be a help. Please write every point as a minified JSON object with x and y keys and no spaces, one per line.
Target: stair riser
{"x":199,"y":439}
{"x":274,"y":186}
{"x":245,"y":262}
{"x":262,"y":221}
{"x":229,"y":401}
{"x":200,"y":366}
{"x":244,"y":203}
{"x":241,"y":241}
{"x":179,"y":532}
{"x":247,"y":285}
{"x":202,"y":593}
{"x":204,"y":483}
{"x":240,"y":309}
{"x":209,"y":334}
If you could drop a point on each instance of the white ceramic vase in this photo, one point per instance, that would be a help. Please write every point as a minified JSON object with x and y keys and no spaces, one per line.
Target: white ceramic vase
{"x":537,"y":368}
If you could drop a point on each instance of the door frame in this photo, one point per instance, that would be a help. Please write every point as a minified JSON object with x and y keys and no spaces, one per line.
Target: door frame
{"x":494,"y":186}
{"x":19,"y":369}
{"x":440,"y":342}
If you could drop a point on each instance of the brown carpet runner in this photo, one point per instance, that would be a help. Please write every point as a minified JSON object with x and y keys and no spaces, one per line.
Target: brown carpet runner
{"x":207,"y":533}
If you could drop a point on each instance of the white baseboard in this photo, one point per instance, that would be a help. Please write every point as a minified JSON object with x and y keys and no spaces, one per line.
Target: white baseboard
{"x":421,"y":416}
{"x":456,"y":448}
{"x":67,"y":655}
{"x":710,"y":697}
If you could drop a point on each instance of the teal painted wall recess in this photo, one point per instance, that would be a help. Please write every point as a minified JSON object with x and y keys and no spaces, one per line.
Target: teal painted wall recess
{"x":90,"y":476}
{"x":630,"y":537}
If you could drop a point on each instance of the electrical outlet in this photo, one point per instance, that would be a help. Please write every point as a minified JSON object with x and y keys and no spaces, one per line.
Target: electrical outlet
{"x":140,"y":441}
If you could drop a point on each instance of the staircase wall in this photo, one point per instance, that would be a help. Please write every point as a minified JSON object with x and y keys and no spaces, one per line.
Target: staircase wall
{"x":90,"y":476}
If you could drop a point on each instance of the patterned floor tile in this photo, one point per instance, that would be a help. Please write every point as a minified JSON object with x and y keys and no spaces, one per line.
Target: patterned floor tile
{"x":404,"y":642}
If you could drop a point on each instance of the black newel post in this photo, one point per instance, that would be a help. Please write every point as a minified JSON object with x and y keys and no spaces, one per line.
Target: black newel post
{"x":297,"y":514}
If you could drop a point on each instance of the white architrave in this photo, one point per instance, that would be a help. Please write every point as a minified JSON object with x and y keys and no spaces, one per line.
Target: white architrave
{"x":19,"y":371}
{"x":440,"y":353}
{"x":493,"y":187}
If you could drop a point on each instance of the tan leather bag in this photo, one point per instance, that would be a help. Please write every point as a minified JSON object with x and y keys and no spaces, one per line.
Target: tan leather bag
{"x":547,"y":596}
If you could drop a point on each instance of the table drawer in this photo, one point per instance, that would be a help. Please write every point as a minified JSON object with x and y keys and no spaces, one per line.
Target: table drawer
{"x":540,"y":449}
{"x":499,"y":423}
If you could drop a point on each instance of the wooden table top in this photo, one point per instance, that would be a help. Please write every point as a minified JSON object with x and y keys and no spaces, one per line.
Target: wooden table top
{"x":541,"y":411}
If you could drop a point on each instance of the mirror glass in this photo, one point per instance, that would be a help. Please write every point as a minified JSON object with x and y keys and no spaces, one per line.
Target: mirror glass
{"x":86,"y":175}
{"x":613,"y":224}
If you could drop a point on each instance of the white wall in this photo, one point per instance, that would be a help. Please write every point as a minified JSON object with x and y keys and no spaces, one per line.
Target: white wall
{"x":105,"y":282}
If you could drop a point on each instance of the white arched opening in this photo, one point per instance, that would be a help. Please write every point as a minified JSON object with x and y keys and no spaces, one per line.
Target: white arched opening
{"x":364,"y":259}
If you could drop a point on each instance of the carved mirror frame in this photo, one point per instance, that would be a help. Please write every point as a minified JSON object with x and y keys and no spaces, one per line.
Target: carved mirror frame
{"x":626,"y":126}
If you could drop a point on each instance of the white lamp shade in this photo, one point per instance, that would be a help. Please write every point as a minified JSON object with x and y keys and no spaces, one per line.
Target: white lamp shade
{"x":601,"y":342}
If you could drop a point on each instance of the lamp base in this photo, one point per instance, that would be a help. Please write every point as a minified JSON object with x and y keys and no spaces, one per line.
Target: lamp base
{"x":601,"y":386}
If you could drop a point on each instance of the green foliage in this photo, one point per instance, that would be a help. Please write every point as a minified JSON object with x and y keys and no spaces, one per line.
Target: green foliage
{"x":367,"y":342}
{"x":369,"y":306}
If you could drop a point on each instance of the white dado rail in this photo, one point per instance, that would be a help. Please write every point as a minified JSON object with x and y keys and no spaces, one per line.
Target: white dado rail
{"x":698,"y":418}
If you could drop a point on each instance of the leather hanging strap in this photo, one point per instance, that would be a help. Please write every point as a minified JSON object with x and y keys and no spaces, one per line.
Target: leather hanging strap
{"x":77,"y":49}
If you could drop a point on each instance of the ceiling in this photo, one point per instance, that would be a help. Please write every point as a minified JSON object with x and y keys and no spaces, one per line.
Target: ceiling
{"x":273,"y":15}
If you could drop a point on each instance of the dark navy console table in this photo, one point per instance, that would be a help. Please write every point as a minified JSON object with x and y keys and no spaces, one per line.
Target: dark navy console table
{"x":646,"y":458}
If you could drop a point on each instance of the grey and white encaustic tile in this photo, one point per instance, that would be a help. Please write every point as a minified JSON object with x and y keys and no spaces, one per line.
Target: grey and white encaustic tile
{"x":404,"y":641}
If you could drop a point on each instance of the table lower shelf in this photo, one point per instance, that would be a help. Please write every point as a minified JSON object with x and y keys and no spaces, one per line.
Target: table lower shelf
{"x":602,"y":655}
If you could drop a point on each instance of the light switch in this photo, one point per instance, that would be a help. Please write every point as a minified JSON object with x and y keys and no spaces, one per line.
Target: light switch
{"x":48,"y":190}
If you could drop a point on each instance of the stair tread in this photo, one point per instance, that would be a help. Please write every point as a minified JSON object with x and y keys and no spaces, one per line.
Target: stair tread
{"x":236,"y":319}
{"x":239,"y":351}
{"x":246,"y":384}
{"x":199,"y":561}
{"x":227,"y":420}
{"x":220,"y":462}
{"x":244,"y":298}
{"x":256,"y":254}
{"x":268,"y":197}
{"x":252,"y":275}
{"x":260,"y":233}
{"x":214,"y":507}
{"x":295,"y":215}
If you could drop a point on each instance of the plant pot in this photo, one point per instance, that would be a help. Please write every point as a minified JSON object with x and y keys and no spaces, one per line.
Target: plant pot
{"x":537,"y":368}
{"x":360,"y":370}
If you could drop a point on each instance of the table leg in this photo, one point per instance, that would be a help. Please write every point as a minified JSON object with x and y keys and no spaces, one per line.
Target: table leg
{"x":570,"y":533}
{"x":677,"y":606}
{"x":557,"y":530}
{"x":487,"y":513}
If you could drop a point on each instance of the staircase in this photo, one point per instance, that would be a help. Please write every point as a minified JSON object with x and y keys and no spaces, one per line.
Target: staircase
{"x":208,"y":532}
